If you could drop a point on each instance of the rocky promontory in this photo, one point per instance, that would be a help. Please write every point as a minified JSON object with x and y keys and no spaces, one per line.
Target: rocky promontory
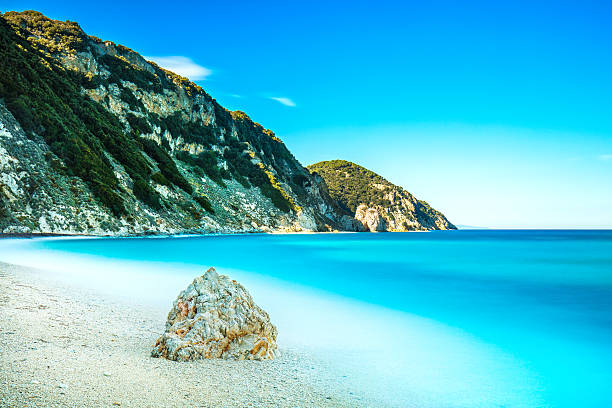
{"x":374,"y":202}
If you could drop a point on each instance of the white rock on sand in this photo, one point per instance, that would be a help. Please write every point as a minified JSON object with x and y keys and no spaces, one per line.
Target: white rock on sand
{"x":215,"y":317}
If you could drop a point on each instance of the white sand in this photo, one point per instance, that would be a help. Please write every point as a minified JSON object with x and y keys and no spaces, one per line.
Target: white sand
{"x":63,"y":345}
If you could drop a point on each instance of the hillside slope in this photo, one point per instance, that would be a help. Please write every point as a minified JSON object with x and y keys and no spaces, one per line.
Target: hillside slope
{"x":95,"y":139}
{"x":375,"y":202}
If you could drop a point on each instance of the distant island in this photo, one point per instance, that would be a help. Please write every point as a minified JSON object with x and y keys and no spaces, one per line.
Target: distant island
{"x":94,"y":139}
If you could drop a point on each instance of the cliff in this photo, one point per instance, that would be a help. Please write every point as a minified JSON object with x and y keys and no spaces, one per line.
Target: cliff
{"x":94,"y":139}
{"x":375,"y":202}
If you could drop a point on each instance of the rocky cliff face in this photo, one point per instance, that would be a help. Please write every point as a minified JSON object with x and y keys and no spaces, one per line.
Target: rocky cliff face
{"x":94,"y":139}
{"x":377,"y":204}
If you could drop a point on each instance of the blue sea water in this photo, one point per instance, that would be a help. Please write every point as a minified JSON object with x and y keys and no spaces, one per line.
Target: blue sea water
{"x":480,"y":318}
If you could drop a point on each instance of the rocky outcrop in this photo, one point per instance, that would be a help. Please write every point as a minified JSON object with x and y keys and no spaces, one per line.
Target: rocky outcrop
{"x":215,"y":317}
{"x":370,"y":219}
{"x":375,"y":203}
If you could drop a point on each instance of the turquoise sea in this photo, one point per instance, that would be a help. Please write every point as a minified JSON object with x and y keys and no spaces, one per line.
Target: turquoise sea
{"x":481,"y":318}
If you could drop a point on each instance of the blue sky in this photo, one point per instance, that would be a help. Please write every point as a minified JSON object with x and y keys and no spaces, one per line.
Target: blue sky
{"x":498,"y":114}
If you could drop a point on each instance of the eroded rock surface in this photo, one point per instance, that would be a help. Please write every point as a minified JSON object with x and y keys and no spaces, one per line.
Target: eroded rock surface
{"x":215,"y":317}
{"x":370,"y":218}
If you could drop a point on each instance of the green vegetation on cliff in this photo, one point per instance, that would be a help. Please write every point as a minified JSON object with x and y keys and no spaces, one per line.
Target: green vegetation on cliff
{"x":350,"y":184}
{"x":48,"y":100}
{"x":44,"y":99}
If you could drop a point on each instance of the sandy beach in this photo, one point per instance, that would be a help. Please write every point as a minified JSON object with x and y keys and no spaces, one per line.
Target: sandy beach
{"x":62,"y":345}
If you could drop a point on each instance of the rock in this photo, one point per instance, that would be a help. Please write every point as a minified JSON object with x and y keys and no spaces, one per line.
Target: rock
{"x":352,"y":224}
{"x":215,"y":317}
{"x":62,"y":386}
{"x":370,"y":218}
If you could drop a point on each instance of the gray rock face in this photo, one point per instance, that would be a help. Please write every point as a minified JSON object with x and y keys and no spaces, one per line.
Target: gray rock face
{"x":402,"y":213}
{"x":36,"y":194}
{"x":215,"y":317}
{"x":370,"y":219}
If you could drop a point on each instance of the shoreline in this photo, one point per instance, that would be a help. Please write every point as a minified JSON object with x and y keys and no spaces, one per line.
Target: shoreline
{"x":61,"y":345}
{"x":32,"y":235}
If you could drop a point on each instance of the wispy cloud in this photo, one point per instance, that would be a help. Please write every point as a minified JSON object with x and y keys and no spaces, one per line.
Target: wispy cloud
{"x":183,"y":66}
{"x":605,"y":157}
{"x":283,"y":100}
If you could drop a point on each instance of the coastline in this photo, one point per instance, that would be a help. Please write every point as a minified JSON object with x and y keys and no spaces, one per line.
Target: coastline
{"x":61,"y":345}
{"x":31,"y":235}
